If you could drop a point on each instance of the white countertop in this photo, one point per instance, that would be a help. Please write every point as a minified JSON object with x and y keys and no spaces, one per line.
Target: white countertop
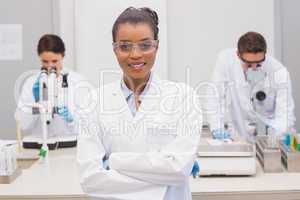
{"x":261,"y":186}
{"x":52,"y":182}
{"x":42,"y":180}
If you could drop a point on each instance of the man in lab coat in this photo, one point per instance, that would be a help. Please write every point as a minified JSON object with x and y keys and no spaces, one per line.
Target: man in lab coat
{"x":254,"y":90}
{"x":144,"y":129}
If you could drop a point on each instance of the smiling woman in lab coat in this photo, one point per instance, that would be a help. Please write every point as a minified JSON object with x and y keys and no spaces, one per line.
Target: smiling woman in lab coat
{"x":146,"y":129}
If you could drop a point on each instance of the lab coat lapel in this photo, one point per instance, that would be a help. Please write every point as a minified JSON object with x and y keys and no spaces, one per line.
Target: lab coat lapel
{"x":151,"y":99}
{"x":118,"y":101}
{"x":238,"y":73}
{"x":242,"y":87}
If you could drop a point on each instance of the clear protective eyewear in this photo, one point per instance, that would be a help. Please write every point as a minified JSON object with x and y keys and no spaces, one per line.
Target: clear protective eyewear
{"x":143,"y":46}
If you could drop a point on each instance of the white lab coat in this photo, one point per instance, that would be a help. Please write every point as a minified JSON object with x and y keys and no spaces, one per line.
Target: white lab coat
{"x":150,"y":155}
{"x":78,"y":86}
{"x":278,"y":109}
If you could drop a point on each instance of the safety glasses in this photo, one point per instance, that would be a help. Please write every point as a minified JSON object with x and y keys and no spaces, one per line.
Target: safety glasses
{"x":251,"y":63}
{"x":143,"y":46}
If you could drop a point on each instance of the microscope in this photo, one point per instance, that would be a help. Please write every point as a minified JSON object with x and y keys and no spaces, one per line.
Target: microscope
{"x":47,"y":108}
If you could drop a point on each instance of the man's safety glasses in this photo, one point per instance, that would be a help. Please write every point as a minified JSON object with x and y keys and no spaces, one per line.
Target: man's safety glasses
{"x":250,"y":63}
{"x":143,"y":46}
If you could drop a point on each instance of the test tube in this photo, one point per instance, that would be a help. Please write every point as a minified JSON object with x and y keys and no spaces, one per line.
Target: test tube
{"x":272,"y":138}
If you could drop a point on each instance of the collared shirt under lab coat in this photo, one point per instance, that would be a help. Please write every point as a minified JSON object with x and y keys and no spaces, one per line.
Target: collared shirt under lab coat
{"x":150,"y":155}
{"x":230,"y":79}
{"x":129,"y":95}
{"x":77,"y":86}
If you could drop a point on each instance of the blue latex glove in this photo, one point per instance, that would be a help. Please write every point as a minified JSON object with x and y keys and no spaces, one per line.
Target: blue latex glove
{"x":65,"y":114}
{"x":36,"y":90}
{"x":106,"y":164}
{"x":221,"y":134}
{"x":195,"y":170}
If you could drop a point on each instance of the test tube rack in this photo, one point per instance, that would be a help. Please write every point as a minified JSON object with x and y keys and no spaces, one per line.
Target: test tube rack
{"x":290,"y":158}
{"x":269,"y":158}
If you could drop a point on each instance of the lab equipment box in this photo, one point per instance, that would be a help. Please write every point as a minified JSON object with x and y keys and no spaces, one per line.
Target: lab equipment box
{"x":233,"y":157}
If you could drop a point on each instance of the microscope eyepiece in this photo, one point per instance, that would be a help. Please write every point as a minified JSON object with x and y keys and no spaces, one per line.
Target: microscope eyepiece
{"x":53,"y":69}
{"x":261,"y":95}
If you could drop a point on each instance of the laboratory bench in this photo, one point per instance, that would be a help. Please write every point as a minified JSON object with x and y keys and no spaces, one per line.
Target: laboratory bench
{"x":59,"y":180}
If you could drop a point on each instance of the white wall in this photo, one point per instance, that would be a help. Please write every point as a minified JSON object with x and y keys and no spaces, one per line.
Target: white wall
{"x":290,"y":47}
{"x":64,"y":25}
{"x":199,"y":29}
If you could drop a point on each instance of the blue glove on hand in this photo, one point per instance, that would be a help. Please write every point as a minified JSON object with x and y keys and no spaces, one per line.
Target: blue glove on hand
{"x":195,"y":170}
{"x":65,"y":114}
{"x":36,"y":90}
{"x":221,"y":134}
{"x":106,"y":164}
